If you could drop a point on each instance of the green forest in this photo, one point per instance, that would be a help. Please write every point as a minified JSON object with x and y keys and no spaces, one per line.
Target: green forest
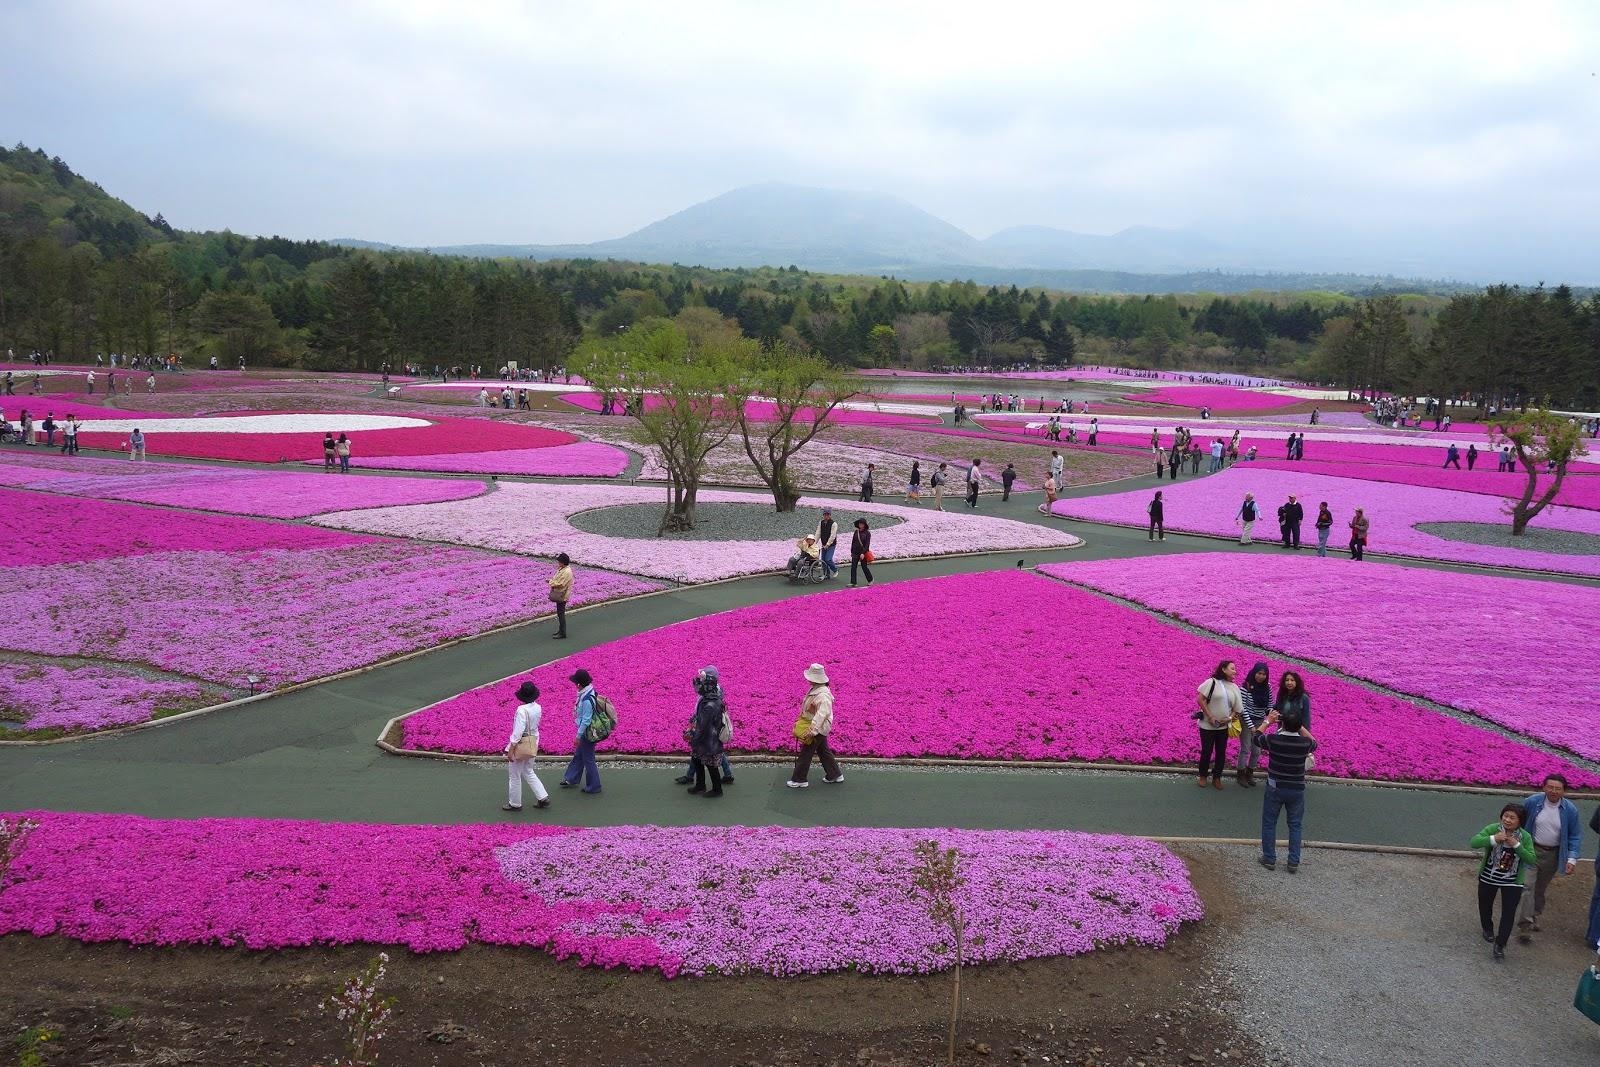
{"x":82,"y":272}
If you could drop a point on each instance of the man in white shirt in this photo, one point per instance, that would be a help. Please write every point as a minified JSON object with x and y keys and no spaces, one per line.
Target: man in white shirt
{"x":1057,"y":465}
{"x":974,"y":477}
{"x":1216,"y":456}
{"x":1553,"y":821}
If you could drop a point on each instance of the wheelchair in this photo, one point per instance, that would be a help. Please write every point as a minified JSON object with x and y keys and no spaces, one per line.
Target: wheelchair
{"x":804,"y":569}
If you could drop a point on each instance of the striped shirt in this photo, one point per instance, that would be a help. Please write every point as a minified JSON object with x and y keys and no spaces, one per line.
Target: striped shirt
{"x":1286,"y":759}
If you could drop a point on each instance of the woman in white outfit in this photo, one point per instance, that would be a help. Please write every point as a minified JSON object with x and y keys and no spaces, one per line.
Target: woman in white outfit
{"x":522,"y":746}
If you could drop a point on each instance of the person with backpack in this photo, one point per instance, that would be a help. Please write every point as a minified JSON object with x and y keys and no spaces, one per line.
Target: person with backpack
{"x":812,"y":728}
{"x":705,"y":734}
{"x":521,"y":748}
{"x":1246,"y":518}
{"x":937,"y":481}
{"x":708,"y":686}
{"x":1007,"y":478}
{"x":583,"y":768}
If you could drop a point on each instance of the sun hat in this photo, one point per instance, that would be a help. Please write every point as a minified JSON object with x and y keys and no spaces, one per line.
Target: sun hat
{"x":527,"y":692}
{"x":816,"y":674}
{"x":581,"y":677}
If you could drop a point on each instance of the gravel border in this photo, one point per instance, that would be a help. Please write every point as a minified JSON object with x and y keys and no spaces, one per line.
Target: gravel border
{"x":716,"y":522}
{"x":1534,"y":539}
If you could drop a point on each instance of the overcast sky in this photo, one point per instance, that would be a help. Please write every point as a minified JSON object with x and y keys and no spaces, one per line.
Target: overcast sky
{"x":1472,"y":127}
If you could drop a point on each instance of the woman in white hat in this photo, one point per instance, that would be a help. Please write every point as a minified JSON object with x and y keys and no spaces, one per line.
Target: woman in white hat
{"x":812,"y":728}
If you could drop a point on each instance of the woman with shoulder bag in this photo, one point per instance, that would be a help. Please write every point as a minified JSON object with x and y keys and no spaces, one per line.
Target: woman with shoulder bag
{"x":861,"y":551}
{"x":521,"y":749}
{"x":1255,"y":697}
{"x":1219,"y":701}
{"x":812,"y":728}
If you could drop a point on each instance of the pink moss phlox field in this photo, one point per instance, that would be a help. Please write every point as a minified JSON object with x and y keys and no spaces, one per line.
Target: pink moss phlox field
{"x":90,"y":696}
{"x":50,"y":529}
{"x":1119,"y":686}
{"x":1224,"y":399}
{"x":755,"y":899}
{"x":583,"y":459}
{"x":1578,"y":490}
{"x":270,"y":494}
{"x":1515,"y":651}
{"x":443,"y":435}
{"x":1208,"y":506}
{"x":690,"y":900}
{"x":763,"y":410}
{"x":533,"y":519}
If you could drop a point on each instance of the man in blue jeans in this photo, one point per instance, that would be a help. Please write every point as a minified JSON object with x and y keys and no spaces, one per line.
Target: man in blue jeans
{"x":1593,"y":937}
{"x":1557,"y":831}
{"x":1287,"y":752}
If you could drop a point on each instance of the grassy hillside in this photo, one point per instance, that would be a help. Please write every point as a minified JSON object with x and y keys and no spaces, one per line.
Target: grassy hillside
{"x":42,"y":196}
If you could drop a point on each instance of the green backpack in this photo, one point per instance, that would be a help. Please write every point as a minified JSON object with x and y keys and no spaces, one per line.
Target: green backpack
{"x":602,"y":721}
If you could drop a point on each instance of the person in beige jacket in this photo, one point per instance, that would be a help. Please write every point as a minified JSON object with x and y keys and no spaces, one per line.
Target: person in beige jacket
{"x":521,"y":748}
{"x":561,"y":592}
{"x":812,"y":728}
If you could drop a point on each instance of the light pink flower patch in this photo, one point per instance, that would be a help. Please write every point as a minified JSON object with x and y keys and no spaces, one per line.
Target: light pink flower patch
{"x":761,"y":410}
{"x":1208,"y":506}
{"x":583,"y":459}
{"x":91,"y":696}
{"x":693,"y":900}
{"x":1514,"y":651}
{"x":533,"y":519}
{"x":998,"y":665}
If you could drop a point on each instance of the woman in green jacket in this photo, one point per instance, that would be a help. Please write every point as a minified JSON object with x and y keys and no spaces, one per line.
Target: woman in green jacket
{"x":1507,"y":854}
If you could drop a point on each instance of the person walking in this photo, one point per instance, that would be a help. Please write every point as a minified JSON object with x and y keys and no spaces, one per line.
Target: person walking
{"x":341,"y":449}
{"x":1359,"y":525}
{"x":1507,"y":854}
{"x":1452,"y":457}
{"x":812,"y":729}
{"x":914,"y":484}
{"x":1094,"y":431}
{"x":1219,"y":702}
{"x":938,"y":480}
{"x":49,"y":428}
{"x":704,"y":734}
{"x":1058,"y":466}
{"x":828,"y":542}
{"x":1157,"y":517}
{"x":1174,"y":461}
{"x":329,"y":451}
{"x":1255,"y":698}
{"x":521,"y":748}
{"x":1049,"y":494}
{"x":1246,"y":518}
{"x":1290,"y":516}
{"x":1161,"y":461}
{"x":136,"y":445}
{"x":1324,"y":528}
{"x":582,"y":768}
{"x":30,"y":436}
{"x":974,"y":478}
{"x":149,"y":384}
{"x":1557,"y":831}
{"x":88,"y":382}
{"x":69,"y":436}
{"x":1472,"y":456}
{"x":1592,"y":938}
{"x":1007,"y":477}
{"x":561,"y":592}
{"x":1288,"y":751}
{"x":866,"y":483}
{"x":707,"y":684}
{"x":861,"y":551}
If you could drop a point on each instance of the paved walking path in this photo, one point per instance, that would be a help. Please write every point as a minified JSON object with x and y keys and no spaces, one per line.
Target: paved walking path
{"x":310,"y":754}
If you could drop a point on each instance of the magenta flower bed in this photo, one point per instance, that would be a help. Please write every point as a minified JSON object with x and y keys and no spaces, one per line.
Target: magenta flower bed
{"x":50,"y":529}
{"x":1225,"y":399}
{"x":445,"y":435}
{"x":270,"y":494}
{"x":533,"y":519}
{"x":1208,"y":506}
{"x":219,"y":598}
{"x":1581,"y":490}
{"x":754,"y":899}
{"x":760,"y":409}
{"x":909,"y":684}
{"x":583,"y":459}
{"x":91,"y":696}
{"x":693,"y":900}
{"x":1514,"y":651}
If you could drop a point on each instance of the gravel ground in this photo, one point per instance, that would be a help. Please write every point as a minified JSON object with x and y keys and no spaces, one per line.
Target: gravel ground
{"x":1368,"y":958}
{"x":1535,"y":539}
{"x":715,"y":522}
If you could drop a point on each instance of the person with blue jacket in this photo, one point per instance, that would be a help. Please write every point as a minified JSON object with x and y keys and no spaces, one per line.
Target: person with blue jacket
{"x":582,"y":768}
{"x":1557,"y":831}
{"x":1593,"y":936}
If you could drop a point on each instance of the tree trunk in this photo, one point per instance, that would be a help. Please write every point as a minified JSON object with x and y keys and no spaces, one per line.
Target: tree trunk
{"x":784,"y":497}
{"x":955,"y":991}
{"x":1526,"y":509}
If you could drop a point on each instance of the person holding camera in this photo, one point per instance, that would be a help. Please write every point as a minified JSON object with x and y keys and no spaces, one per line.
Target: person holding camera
{"x":1507,"y":854}
{"x":1220,"y":703}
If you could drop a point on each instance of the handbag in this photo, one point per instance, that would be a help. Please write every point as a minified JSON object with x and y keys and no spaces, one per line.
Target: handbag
{"x":1235,"y":727}
{"x":526,"y":747}
{"x":802,"y":728}
{"x":868,"y":556}
{"x":1587,"y":998}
